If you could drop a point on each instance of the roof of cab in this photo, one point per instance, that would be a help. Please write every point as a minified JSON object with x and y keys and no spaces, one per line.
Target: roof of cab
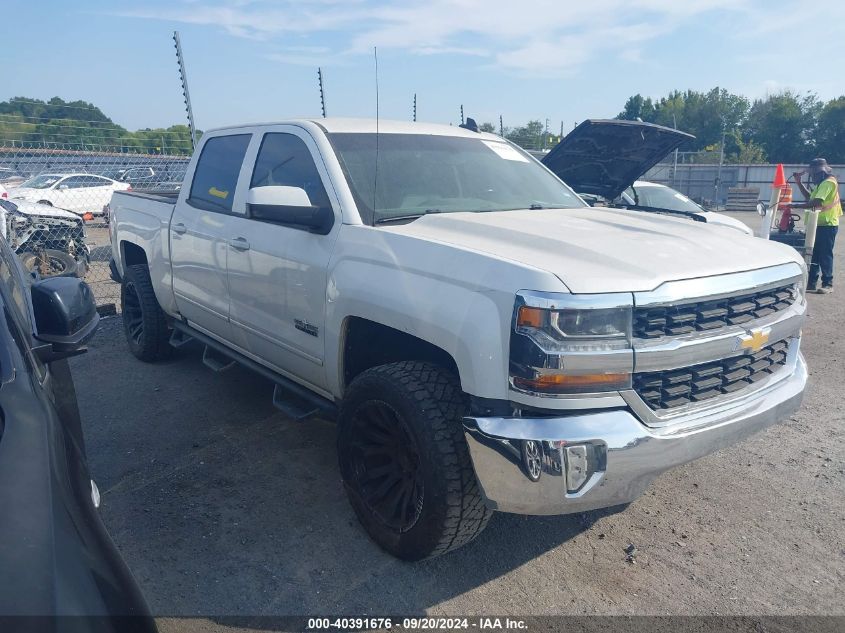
{"x":385,"y":126}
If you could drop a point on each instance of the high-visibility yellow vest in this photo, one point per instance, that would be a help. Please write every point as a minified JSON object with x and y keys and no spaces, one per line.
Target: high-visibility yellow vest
{"x":831,"y":207}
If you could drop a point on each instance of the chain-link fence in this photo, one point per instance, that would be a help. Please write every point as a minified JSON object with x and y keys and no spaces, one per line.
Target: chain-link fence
{"x":54,"y":206}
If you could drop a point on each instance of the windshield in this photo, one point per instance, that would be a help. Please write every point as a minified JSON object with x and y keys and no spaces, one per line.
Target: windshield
{"x":662,"y":198}
{"x":41,"y":182}
{"x":421,"y":173}
{"x":8,"y":205}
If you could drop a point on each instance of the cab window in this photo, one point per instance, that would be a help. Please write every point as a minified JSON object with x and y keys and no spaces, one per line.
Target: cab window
{"x":285,"y":160}
{"x":216,"y":175}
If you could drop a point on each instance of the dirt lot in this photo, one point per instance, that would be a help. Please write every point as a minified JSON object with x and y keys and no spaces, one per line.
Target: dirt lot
{"x":221,"y":505}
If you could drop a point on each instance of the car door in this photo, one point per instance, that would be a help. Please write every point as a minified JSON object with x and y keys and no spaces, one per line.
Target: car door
{"x":277,"y":273}
{"x":69,"y":193}
{"x":200,"y":231}
{"x":99,"y":191}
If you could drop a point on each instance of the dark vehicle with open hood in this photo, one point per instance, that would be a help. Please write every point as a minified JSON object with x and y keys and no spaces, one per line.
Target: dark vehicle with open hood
{"x":56,"y":558}
{"x":603,"y":159}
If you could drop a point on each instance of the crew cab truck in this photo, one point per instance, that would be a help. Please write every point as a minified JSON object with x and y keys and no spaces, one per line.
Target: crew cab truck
{"x":486,"y":340}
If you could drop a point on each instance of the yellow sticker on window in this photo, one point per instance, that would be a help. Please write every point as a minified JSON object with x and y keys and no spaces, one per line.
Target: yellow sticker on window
{"x":214,"y":191}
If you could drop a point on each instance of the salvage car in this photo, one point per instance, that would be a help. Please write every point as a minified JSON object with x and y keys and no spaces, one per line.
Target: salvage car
{"x":48,"y":240}
{"x":486,"y":340}
{"x":80,"y":193}
{"x":56,"y":558}
{"x":602,"y":159}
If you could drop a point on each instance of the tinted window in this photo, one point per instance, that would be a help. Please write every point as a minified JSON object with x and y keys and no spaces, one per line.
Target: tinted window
{"x":96,"y":181}
{"x":284,"y":159}
{"x":217,"y":171}
{"x":75,"y":182}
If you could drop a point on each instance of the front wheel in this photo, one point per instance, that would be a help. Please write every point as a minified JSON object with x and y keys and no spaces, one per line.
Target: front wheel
{"x":405,"y":463}
{"x":49,"y":262}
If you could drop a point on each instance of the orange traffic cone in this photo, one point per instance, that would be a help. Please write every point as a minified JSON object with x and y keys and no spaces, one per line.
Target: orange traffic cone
{"x":780,"y":178}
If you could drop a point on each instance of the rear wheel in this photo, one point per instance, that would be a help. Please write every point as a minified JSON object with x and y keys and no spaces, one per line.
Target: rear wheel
{"x":143,"y":319}
{"x":405,"y":462}
{"x":49,"y":262}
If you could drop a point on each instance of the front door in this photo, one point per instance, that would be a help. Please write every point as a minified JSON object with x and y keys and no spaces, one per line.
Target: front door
{"x":199,"y":235}
{"x":277,"y":274}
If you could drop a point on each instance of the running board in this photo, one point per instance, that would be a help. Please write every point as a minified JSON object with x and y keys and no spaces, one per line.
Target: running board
{"x":290,"y":397}
{"x":216,"y":361}
{"x":293,"y":405}
{"x":179,"y":338}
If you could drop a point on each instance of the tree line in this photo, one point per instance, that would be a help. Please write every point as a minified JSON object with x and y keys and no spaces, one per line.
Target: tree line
{"x":786,"y":127}
{"x":26,"y":122}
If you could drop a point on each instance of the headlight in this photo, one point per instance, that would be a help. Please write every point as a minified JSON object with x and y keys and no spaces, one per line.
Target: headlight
{"x":564,"y":344}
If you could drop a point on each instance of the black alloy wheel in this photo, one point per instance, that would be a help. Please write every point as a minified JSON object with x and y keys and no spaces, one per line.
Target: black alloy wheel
{"x":386,"y":465}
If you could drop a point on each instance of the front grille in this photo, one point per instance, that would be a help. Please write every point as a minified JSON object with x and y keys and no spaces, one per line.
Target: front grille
{"x":677,"y":387}
{"x":712,"y":314}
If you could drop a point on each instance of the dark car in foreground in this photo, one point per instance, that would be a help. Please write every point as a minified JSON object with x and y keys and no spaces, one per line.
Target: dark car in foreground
{"x":56,"y":558}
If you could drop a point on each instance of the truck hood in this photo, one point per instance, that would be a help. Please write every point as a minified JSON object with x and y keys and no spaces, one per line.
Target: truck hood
{"x":604,"y":157}
{"x":594,"y":249}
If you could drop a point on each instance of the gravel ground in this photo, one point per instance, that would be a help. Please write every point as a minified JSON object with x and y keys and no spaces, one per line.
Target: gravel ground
{"x":222,"y":506}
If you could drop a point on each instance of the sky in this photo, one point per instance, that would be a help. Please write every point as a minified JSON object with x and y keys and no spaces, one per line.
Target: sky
{"x":257,"y":60}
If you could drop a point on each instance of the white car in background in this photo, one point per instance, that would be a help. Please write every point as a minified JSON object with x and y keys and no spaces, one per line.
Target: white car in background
{"x":652,"y":195}
{"x":80,"y":193}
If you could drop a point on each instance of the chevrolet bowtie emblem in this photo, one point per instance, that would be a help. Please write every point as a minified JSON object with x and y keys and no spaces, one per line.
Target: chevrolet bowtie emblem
{"x":755,"y":340}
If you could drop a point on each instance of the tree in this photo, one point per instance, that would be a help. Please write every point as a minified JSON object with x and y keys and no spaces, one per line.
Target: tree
{"x":784,"y":126}
{"x":830,"y":131}
{"x":637,"y":107}
{"x":487,"y":127}
{"x":529,"y":136}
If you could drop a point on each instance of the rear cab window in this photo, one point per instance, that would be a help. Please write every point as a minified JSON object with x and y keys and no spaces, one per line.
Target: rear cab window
{"x":217,"y":171}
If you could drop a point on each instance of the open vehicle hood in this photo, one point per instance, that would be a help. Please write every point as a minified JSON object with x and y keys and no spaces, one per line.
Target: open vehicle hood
{"x":603,"y":157}
{"x":596,"y":249}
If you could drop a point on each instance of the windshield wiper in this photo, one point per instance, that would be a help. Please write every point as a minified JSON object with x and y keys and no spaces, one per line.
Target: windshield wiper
{"x":405,"y":218}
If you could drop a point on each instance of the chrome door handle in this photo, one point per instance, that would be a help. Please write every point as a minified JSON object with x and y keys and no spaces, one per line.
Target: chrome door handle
{"x":179,"y":228}
{"x":239,"y":243}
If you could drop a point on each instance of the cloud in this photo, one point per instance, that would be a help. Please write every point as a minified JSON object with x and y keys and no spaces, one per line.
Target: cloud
{"x":547,"y":37}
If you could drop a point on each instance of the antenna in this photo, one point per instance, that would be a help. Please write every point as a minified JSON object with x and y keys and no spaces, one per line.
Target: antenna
{"x":415,"y":107}
{"x":462,"y":114}
{"x":184,"y":78}
{"x":375,"y":171}
{"x":322,"y":94}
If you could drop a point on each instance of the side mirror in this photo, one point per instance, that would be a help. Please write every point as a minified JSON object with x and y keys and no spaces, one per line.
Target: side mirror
{"x":65,"y":317}
{"x":289,"y":206}
{"x":761,"y":209}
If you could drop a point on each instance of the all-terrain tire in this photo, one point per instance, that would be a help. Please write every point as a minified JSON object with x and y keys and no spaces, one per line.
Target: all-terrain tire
{"x":426,"y":404}
{"x":144,"y":322}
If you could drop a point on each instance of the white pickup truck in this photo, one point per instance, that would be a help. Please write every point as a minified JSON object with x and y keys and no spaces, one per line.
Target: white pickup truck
{"x":487,"y":340}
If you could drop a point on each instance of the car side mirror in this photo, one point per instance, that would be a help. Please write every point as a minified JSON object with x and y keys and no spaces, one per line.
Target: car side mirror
{"x":761,"y":209}
{"x":65,"y":317}
{"x":289,"y":206}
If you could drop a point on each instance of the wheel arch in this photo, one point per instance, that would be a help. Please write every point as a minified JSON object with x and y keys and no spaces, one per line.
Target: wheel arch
{"x":366,"y":344}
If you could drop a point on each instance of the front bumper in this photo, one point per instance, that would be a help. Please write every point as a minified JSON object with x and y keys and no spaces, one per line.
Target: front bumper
{"x":523,"y":465}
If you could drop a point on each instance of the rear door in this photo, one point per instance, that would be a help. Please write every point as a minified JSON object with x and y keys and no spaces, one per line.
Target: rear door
{"x":277,"y":273}
{"x":199,"y":234}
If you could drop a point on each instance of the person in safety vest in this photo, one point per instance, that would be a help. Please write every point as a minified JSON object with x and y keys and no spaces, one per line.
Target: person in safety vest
{"x":824,"y":197}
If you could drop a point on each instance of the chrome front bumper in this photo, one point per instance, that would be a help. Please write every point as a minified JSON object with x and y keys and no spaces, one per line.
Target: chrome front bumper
{"x":523,"y":464}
